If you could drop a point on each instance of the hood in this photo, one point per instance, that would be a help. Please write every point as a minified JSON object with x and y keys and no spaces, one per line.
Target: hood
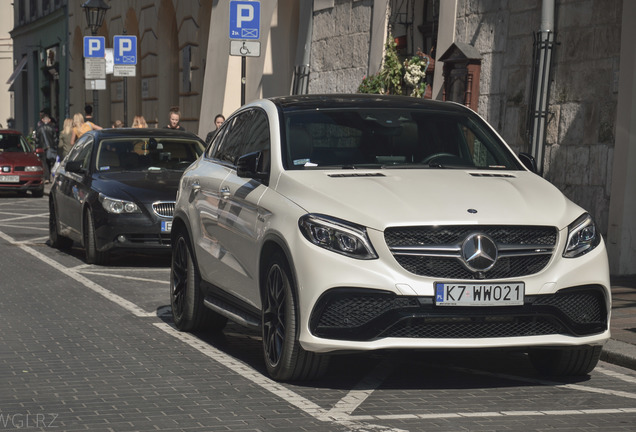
{"x":390,"y":197}
{"x":140,"y":186}
{"x":19,"y":159}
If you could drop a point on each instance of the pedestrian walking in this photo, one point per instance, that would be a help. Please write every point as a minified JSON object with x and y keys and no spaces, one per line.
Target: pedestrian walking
{"x":64,"y":142}
{"x":218,"y":121}
{"x":46,"y":139}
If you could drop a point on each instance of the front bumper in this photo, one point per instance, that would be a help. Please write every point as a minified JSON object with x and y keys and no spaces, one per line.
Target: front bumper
{"x":33,"y":182}
{"x":132,"y":232}
{"x":367,"y":315}
{"x":348,"y":304}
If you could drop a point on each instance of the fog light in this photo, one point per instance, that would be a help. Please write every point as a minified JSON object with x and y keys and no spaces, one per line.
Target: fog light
{"x":121,"y":239}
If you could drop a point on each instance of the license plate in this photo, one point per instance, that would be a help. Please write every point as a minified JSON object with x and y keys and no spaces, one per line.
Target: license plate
{"x":10,"y":179}
{"x":476,"y":294}
{"x":166,"y":226}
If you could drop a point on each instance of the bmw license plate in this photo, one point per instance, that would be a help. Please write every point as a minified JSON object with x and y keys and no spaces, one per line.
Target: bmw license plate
{"x":10,"y":179}
{"x":166,"y":226}
{"x":476,"y":294}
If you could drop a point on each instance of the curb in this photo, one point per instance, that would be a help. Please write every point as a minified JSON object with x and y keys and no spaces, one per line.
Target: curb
{"x":619,"y":353}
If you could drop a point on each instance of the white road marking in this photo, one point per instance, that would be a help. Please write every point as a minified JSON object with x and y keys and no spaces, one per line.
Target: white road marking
{"x":110,"y":275}
{"x":618,"y":375}
{"x":251,"y":374}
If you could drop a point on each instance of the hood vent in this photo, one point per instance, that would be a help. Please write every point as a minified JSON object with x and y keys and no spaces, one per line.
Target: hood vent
{"x":492,"y":175}
{"x":357,"y":175}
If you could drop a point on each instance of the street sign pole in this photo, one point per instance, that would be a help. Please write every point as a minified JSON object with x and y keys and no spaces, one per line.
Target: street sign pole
{"x":245,"y":25}
{"x":243,"y":78}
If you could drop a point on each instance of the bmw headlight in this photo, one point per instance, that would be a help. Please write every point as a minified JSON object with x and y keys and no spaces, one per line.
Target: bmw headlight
{"x":582,"y":237}
{"x":337,"y":236}
{"x":117,"y":206}
{"x":33,"y":168}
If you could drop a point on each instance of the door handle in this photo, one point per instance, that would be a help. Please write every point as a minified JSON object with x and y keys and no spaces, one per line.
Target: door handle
{"x":225,"y":192}
{"x":196,"y":186}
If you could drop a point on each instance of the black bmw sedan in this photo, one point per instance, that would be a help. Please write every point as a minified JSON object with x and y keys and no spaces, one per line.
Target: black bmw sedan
{"x":116,"y":189}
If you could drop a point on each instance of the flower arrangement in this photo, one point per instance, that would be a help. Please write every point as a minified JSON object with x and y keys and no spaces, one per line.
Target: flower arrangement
{"x":396,"y":76}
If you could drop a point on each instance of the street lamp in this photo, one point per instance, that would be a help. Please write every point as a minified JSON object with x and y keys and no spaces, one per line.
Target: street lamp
{"x":95,"y":11}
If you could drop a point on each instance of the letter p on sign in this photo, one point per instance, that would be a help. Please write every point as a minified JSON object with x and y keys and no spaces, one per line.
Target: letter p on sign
{"x":245,"y":13}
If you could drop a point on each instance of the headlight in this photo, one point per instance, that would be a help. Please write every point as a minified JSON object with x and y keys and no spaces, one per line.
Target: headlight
{"x":112,"y":205}
{"x":33,"y":168}
{"x":337,"y":236}
{"x":582,"y":237}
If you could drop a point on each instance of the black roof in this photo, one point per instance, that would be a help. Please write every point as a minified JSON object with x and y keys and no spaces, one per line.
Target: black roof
{"x":361,"y":100}
{"x":142,"y":132}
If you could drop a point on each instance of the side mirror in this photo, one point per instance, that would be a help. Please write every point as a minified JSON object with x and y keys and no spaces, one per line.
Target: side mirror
{"x":75,"y":167}
{"x":528,"y":161}
{"x":39,"y":151}
{"x":251,"y":165}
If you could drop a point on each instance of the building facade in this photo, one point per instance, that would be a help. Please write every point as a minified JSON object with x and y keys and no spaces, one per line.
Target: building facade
{"x":586,"y":142}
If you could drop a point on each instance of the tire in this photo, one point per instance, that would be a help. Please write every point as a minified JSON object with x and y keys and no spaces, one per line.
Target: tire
{"x":285,"y":359}
{"x":93,"y":256}
{"x":574,"y":361}
{"x":38,"y":193}
{"x":55,"y":239}
{"x":186,"y":300}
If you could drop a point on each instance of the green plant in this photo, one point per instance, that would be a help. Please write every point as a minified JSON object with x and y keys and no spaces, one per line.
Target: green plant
{"x":397,"y":77}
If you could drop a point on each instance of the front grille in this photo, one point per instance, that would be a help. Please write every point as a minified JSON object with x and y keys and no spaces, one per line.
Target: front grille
{"x":436,"y":251}
{"x":164,"y":209}
{"x":356,"y":314}
{"x":422,"y":328}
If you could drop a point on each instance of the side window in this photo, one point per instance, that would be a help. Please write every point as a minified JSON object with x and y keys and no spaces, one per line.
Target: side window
{"x":81,"y":151}
{"x":258,"y":136}
{"x":245,"y":133}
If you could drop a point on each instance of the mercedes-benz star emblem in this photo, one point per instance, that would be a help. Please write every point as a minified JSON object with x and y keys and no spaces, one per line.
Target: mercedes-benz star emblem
{"x":479,"y":252}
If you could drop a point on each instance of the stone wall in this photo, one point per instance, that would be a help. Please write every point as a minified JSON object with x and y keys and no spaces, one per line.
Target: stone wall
{"x":583,"y":88}
{"x":340,"y":46}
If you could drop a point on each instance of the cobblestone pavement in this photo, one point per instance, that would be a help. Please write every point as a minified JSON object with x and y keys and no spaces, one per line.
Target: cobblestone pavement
{"x":93,"y":348}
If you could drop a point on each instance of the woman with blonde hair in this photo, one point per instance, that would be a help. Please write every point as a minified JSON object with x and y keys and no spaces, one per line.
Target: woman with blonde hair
{"x":66,"y":134}
{"x":139,"y":122}
{"x":80,"y":127}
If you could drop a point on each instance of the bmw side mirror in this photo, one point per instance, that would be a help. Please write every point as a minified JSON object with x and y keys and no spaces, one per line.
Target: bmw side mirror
{"x":74,"y":167}
{"x":251,"y":165}
{"x":528,"y":161}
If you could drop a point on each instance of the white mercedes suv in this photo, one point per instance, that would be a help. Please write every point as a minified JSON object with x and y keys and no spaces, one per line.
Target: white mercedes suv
{"x":363,"y":222}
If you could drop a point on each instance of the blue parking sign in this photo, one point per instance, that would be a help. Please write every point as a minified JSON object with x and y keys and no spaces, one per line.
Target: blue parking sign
{"x":125,"y":50}
{"x":245,"y":20}
{"x":94,"y":47}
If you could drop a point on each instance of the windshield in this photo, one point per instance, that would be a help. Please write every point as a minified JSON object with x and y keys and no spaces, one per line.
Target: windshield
{"x":13,"y":143}
{"x":137,"y":154}
{"x":391,"y":138}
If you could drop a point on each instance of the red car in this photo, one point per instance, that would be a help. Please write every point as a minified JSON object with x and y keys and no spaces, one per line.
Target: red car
{"x":20,"y":167}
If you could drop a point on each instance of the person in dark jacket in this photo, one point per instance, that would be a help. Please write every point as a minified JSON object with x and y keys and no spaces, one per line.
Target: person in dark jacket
{"x":46,"y":139}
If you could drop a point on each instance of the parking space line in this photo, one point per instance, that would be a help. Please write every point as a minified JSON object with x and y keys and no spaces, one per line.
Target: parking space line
{"x":277,"y":389}
{"x":617,"y":375}
{"x":110,"y":275}
{"x":554,"y":384}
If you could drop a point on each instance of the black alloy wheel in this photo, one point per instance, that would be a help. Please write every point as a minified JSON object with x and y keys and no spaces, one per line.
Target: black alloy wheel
{"x":93,"y":256}
{"x":186,"y":300}
{"x":285,"y":359}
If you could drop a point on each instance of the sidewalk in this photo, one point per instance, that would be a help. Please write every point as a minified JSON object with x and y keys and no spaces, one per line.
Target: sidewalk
{"x":621,"y":348}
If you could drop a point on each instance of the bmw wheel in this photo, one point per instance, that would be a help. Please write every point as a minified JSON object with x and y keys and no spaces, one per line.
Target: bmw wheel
{"x":186,"y":300}
{"x":285,"y":359}
{"x":93,"y":256}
